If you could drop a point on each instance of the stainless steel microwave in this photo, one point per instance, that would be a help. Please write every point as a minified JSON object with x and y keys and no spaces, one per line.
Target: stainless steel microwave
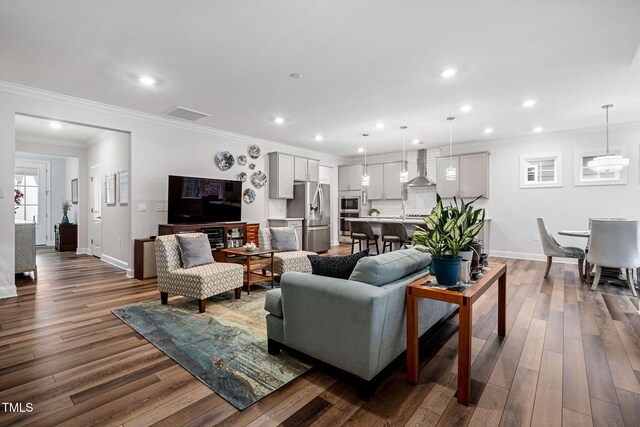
{"x":349,"y":204}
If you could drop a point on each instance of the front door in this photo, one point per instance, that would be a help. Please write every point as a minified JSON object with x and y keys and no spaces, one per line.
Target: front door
{"x":32,"y":180}
{"x":95,"y":211}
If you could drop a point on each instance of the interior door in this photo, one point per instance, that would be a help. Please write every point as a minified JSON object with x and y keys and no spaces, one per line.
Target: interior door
{"x":95,"y":231}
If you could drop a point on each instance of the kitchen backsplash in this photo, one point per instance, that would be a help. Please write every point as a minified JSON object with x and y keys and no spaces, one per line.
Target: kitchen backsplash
{"x":277,"y":208}
{"x":420,"y":200}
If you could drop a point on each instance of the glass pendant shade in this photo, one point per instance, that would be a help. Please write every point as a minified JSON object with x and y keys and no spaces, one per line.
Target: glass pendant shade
{"x":404,"y":176}
{"x":365,"y":176}
{"x":608,"y":162}
{"x":450,"y":173}
{"x":365,"y":180}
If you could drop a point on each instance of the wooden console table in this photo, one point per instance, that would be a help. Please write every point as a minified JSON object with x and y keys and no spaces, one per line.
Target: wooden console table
{"x":465,"y":299}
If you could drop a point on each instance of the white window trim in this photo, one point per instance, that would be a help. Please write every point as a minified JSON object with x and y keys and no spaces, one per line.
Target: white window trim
{"x":525,"y":158}
{"x":577,"y":167}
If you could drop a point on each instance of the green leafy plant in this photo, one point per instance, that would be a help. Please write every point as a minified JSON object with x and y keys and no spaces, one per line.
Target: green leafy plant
{"x":374,"y":211}
{"x":448,"y":230}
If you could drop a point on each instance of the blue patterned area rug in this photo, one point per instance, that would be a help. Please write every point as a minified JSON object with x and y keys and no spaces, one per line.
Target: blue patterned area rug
{"x":225,"y":348}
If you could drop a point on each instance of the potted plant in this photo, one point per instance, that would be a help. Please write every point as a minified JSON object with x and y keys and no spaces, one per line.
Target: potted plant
{"x":472,"y":217}
{"x":66,"y":207}
{"x":374,"y":212}
{"x":443,"y":236}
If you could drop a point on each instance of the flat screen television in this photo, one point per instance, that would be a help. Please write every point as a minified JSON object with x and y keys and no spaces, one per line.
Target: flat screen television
{"x":195,"y":200}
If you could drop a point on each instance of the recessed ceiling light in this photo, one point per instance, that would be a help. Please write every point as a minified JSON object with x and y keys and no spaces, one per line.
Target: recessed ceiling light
{"x":537,"y":129}
{"x":529,"y":103}
{"x":379,"y":125}
{"x":415,"y":141}
{"x":466,"y":108}
{"x":146,"y":80}
{"x":488,"y":130}
{"x":449,"y":72}
{"x":55,"y":125}
{"x":278,"y":120}
{"x":295,"y":76}
{"x":360,"y":150}
{"x":318,"y":138}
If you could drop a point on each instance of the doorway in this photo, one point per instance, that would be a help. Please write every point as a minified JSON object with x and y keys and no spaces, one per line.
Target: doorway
{"x":32,"y":188}
{"x":95,"y":197}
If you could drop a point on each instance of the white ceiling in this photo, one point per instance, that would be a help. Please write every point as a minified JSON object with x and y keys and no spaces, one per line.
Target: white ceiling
{"x":361,"y":61}
{"x":37,"y":129}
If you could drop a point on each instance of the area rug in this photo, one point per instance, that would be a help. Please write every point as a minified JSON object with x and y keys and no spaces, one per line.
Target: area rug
{"x":225,"y":348}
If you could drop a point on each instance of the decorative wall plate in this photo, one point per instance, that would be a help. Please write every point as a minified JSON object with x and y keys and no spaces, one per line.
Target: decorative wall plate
{"x":242,"y":160}
{"x":259,"y":179}
{"x":252,"y":166}
{"x":249,"y":196}
{"x":242,"y":176}
{"x":224,"y":160}
{"x":254,"y":151}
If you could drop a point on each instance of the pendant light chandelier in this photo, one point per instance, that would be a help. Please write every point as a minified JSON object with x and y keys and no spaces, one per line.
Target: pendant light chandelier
{"x":404,"y":175}
{"x":450,"y":172}
{"x":365,"y":177}
{"x":608,"y":162}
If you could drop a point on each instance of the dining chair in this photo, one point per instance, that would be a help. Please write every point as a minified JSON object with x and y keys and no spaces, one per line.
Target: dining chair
{"x":362,"y":230}
{"x":587,"y":266}
{"x":552,"y":248}
{"x":615,"y":244}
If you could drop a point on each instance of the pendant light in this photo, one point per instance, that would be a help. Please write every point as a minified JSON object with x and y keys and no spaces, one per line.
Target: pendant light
{"x":608,"y":162}
{"x":404,"y":175}
{"x":450,"y":172}
{"x":365,"y":177}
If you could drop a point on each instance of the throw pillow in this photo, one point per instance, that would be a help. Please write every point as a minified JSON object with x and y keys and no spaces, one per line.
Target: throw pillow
{"x":339,"y":267}
{"x":194,"y":250}
{"x":283,"y":239}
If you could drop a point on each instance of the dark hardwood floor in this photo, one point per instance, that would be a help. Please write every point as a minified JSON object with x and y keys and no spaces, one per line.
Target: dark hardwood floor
{"x":571,"y":357}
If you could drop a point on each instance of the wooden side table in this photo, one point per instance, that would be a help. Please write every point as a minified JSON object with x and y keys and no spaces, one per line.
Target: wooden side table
{"x":251,"y":259}
{"x":465,"y":299}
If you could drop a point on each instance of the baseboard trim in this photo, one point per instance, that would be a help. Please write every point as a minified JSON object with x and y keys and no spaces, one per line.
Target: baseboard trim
{"x":83,"y":251}
{"x":129,"y":273}
{"x":115,"y":262}
{"x":531,"y":257}
{"x":8,"y":292}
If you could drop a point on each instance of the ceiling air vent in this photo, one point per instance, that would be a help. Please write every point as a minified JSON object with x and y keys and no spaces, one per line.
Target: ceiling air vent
{"x":185,"y":113}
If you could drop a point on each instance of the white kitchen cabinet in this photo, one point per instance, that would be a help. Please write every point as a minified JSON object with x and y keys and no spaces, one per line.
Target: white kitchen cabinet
{"x":472,"y":176}
{"x":281,"y":170}
{"x":350,"y":177}
{"x":306,"y":169}
{"x":392,"y":185}
{"x":375,"y":191}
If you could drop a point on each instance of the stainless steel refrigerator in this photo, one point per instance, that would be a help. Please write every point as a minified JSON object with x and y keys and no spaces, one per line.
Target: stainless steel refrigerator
{"x":311,"y":201}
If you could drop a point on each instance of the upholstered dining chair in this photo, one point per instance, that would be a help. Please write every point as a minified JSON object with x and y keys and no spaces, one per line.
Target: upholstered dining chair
{"x":552,"y":248}
{"x":362,"y":231}
{"x":615,"y":244}
{"x":587,"y":266}
{"x":393,"y":232}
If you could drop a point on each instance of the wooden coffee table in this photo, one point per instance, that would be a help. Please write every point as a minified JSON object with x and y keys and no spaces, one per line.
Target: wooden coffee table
{"x":251,"y":259}
{"x":465,"y":299}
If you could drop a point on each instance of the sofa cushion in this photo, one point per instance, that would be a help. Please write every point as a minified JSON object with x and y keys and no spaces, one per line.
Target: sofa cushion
{"x":386,"y":268}
{"x":339,"y":267}
{"x":283,"y":239}
{"x":195,"y":251}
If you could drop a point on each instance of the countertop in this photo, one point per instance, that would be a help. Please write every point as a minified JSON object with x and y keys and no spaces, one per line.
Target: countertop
{"x":285,"y":219}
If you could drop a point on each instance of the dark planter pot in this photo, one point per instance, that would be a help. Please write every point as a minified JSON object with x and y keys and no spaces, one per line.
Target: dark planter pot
{"x":447,"y":269}
{"x":65,"y":219}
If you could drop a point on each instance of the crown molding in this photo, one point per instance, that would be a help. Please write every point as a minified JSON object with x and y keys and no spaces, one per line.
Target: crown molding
{"x":45,"y":95}
{"x":48,"y":141}
{"x":635,"y":62}
{"x":100,"y":137}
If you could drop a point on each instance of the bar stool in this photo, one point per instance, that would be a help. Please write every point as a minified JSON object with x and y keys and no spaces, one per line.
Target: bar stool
{"x":361,"y":230}
{"x":393,"y":232}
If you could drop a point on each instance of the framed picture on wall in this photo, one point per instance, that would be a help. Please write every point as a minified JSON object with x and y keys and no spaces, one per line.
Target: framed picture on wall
{"x":110,"y":187}
{"x":74,"y":191}
{"x":123,"y":190}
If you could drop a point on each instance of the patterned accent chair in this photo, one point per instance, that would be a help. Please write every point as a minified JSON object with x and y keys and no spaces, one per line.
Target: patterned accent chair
{"x":199,"y":282}
{"x":286,"y":261}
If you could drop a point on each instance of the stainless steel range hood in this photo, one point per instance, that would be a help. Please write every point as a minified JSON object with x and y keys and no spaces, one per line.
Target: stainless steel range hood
{"x":421,"y":180}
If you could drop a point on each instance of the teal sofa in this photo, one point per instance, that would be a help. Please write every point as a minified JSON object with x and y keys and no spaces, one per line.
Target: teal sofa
{"x":357,"y":325}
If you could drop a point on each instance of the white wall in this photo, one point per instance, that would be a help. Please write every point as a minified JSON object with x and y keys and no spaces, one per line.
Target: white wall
{"x":159,"y":147}
{"x":111,"y":154}
{"x":72,"y":171}
{"x":514,"y":210}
